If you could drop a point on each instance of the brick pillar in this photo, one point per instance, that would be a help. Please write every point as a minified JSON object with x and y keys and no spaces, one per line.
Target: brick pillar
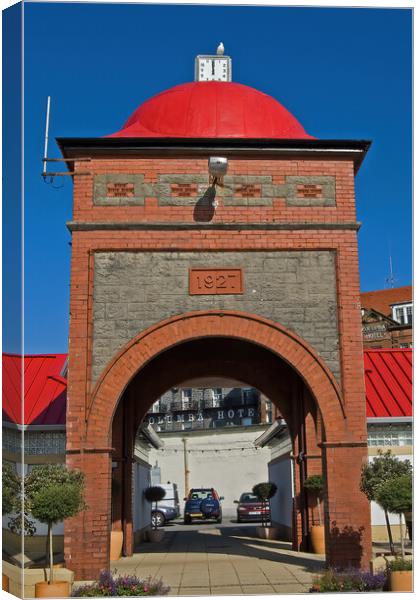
{"x":347,"y":510}
{"x":127,"y":496}
{"x":87,"y":536}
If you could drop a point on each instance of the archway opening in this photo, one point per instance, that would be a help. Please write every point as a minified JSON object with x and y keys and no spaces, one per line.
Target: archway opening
{"x":247,"y":348}
{"x":209,"y":361}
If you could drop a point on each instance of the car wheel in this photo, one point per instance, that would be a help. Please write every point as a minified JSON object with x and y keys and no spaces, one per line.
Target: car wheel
{"x":220,"y":520}
{"x":187,"y":521}
{"x":238,"y":519}
{"x":157,"y":519}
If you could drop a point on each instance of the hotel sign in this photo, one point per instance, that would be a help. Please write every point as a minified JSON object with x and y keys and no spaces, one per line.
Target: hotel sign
{"x":220,"y":415}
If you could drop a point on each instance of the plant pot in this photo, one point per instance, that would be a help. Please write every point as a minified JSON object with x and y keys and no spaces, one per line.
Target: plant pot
{"x":401,"y":581}
{"x":317,"y":539}
{"x":5,"y":583}
{"x":117,"y":539}
{"x":57,"y":589}
{"x":267,"y":533}
{"x":155,"y":535}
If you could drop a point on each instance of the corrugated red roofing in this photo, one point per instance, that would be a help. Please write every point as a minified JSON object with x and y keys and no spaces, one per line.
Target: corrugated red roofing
{"x":388,"y":382}
{"x":212,"y":109}
{"x":45,"y":389}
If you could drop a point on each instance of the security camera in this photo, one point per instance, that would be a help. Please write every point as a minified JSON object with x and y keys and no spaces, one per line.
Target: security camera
{"x":217,"y":166}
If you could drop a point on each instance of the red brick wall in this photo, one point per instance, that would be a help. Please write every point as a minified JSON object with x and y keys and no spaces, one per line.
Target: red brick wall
{"x":344,"y":449}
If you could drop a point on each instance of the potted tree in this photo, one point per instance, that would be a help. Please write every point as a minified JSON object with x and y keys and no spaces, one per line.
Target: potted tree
{"x":11,"y":486}
{"x":53,"y":493}
{"x":314,"y":484}
{"x":265,"y":491}
{"x":117,"y":536}
{"x":155,"y":493}
{"x":395,"y":496}
{"x":383,"y":467}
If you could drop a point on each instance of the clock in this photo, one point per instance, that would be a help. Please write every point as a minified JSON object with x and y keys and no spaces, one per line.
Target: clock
{"x":213,"y":68}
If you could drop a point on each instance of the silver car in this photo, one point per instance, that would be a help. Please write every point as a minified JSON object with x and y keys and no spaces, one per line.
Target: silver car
{"x":163,"y":514}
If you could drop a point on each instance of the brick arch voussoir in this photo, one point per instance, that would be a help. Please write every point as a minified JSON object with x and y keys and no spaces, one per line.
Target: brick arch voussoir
{"x":186,"y":327}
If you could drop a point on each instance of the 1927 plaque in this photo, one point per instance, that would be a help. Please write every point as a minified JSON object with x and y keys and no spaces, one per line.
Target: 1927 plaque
{"x":215,"y":281}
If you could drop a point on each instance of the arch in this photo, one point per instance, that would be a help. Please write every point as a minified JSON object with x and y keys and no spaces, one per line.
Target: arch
{"x":176,"y":330}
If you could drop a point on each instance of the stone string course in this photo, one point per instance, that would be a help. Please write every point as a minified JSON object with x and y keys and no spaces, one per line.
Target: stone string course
{"x":237,"y":190}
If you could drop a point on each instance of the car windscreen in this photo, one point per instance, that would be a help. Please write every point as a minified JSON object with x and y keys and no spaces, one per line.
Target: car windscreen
{"x":200,"y":494}
{"x":244,"y":498}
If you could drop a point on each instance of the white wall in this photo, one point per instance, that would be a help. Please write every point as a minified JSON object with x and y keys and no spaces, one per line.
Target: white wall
{"x":225,"y":460}
{"x":141,"y":507}
{"x":280,"y":473}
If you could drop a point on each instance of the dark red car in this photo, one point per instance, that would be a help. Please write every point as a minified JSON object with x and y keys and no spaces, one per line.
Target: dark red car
{"x":250,"y":508}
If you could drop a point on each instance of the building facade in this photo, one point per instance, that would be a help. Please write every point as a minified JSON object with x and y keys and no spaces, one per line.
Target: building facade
{"x":387,"y":318}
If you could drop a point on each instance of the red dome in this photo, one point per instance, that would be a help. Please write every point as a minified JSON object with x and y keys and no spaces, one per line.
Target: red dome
{"x":212,"y":109}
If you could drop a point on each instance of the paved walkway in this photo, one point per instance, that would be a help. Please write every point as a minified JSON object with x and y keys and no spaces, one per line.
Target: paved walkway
{"x":222,"y":561}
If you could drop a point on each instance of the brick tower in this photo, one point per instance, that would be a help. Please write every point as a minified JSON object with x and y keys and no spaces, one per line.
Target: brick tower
{"x":212,"y":235}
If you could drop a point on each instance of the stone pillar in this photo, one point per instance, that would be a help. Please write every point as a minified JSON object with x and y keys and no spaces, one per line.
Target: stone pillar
{"x":87,"y":536}
{"x":347,"y":510}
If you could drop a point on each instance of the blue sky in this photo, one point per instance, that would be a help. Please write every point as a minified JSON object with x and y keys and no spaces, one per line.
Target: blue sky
{"x":344,"y":73}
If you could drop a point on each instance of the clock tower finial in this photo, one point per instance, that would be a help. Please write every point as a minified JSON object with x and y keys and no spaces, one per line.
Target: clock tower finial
{"x":213,"y":67}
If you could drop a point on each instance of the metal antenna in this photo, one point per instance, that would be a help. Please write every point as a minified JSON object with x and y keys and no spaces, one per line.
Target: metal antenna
{"x":44,"y":171}
{"x":391,"y":280}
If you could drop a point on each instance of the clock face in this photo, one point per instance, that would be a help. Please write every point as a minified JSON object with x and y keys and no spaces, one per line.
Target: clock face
{"x":213,"y":69}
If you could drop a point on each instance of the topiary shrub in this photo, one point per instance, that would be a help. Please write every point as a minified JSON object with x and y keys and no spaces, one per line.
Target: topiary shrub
{"x":264,"y":491}
{"x":383,"y":467}
{"x":53,"y":494}
{"x":11,"y":489}
{"x":19,"y":521}
{"x":154,"y":493}
{"x":315,"y":484}
{"x":395,"y":496}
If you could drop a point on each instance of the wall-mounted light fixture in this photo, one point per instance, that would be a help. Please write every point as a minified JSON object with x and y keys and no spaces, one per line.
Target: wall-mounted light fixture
{"x":217,"y":168}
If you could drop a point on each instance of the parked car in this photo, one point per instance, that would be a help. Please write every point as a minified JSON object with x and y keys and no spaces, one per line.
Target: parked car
{"x":203,"y":503}
{"x":250,"y":508}
{"x":162,"y":514}
{"x":171,"y":498}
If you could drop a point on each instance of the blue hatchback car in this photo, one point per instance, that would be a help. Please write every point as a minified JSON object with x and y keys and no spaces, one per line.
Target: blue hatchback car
{"x":203,"y":503}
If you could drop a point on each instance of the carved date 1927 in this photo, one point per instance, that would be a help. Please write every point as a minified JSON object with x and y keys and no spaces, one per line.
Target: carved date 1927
{"x":215,"y":281}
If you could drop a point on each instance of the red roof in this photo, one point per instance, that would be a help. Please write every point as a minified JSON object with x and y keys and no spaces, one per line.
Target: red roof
{"x":45,"y":389}
{"x":212,"y":109}
{"x":388,"y":382}
{"x":381,"y":300}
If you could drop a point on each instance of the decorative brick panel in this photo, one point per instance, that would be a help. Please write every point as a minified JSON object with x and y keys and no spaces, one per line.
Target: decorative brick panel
{"x":310,"y":190}
{"x":180,"y":189}
{"x":119,"y":189}
{"x":184,"y":190}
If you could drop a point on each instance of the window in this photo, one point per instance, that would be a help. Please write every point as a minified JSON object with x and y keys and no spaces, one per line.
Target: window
{"x":217,"y":396}
{"x":390,"y":435}
{"x":156,"y":407}
{"x":248,"y":395}
{"x":403,"y":313}
{"x":186,"y":398}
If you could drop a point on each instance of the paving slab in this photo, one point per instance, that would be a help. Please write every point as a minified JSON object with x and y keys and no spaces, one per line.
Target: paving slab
{"x":226,"y":590}
{"x":194,"y":591}
{"x":223,"y":561}
{"x":258,"y":589}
